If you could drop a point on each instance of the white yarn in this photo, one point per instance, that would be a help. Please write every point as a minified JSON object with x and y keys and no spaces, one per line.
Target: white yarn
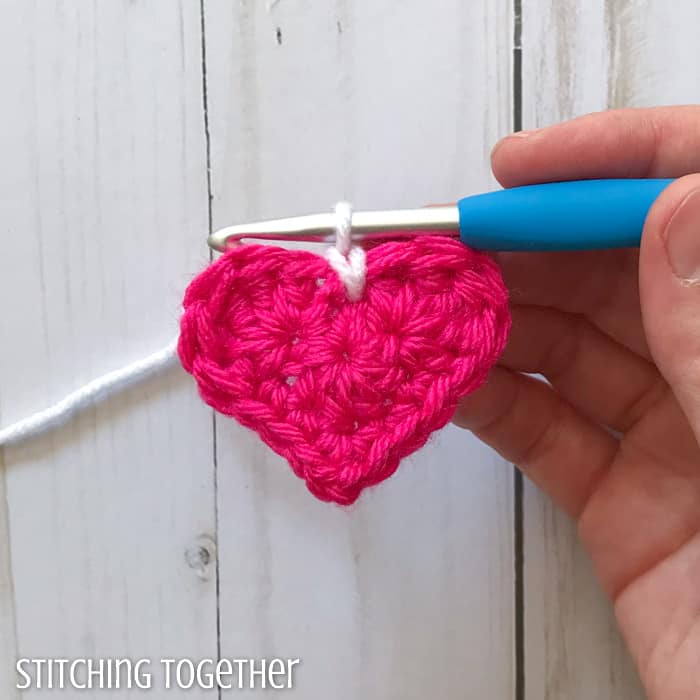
{"x":347,"y":260}
{"x":91,"y":393}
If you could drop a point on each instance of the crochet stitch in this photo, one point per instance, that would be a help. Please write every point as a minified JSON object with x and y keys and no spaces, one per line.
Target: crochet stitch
{"x":344,"y":389}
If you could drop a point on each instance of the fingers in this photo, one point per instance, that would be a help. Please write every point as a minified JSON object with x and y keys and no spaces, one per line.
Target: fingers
{"x":601,"y":285}
{"x":669,"y":278}
{"x":530,"y":425}
{"x":658,"y":142}
{"x":602,"y":379}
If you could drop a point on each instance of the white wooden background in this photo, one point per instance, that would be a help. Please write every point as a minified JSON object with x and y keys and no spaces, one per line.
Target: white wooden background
{"x":145,"y":528}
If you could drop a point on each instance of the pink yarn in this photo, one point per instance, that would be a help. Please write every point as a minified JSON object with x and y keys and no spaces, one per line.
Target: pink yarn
{"x":344,"y":390}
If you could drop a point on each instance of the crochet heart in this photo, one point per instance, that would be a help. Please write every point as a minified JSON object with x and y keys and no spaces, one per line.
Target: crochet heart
{"x":344,"y":390}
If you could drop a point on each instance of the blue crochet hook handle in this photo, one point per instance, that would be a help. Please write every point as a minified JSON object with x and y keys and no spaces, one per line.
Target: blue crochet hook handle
{"x":573,"y":215}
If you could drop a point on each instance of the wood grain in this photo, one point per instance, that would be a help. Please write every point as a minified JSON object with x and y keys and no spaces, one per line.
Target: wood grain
{"x":104,"y":209}
{"x":8,"y":636}
{"x":409,"y":594}
{"x":578,"y":57}
{"x":140,"y":530}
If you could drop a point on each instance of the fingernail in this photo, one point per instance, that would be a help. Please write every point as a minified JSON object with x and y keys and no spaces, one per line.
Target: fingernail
{"x":683,"y":238}
{"x":511,"y":137}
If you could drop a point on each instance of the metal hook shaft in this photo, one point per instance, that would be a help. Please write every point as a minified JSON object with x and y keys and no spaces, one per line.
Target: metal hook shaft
{"x":367,"y":227}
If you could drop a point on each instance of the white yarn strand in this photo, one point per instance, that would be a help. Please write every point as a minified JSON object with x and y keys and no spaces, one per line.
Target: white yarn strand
{"x":89,"y":394}
{"x":347,"y":260}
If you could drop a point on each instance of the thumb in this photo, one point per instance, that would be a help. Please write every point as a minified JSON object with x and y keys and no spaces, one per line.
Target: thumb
{"x":669,"y":288}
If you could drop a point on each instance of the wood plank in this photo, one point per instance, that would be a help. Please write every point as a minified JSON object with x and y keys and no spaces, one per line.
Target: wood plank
{"x":408,"y":594}
{"x":8,"y":638}
{"x":105,"y":206}
{"x":581,"y":56}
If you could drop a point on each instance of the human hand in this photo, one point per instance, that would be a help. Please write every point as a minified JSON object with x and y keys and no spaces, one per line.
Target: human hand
{"x":617,"y":335}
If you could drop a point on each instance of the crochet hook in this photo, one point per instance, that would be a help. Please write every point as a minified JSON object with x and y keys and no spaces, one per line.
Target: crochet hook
{"x":572,"y":215}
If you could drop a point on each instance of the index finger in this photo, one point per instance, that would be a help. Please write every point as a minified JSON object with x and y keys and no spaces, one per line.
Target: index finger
{"x":655,"y":142}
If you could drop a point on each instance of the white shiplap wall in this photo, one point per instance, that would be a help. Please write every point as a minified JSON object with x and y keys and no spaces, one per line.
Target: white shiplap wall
{"x":409,"y":593}
{"x":140,"y":529}
{"x":104,"y":201}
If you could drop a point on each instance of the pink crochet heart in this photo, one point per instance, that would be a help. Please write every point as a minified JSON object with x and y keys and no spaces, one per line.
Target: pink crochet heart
{"x":344,"y":390}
